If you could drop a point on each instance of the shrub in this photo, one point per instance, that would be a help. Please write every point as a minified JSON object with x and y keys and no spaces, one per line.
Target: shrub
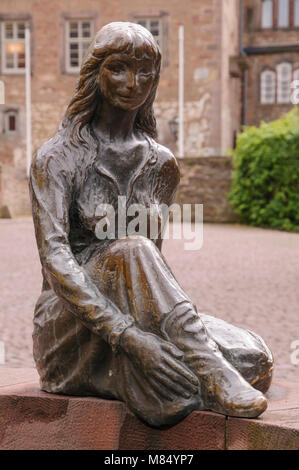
{"x":265,"y":185}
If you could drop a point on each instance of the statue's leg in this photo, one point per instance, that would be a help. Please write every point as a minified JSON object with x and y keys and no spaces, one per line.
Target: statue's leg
{"x":133,"y":274}
{"x":244,"y":349}
{"x":223,"y":388}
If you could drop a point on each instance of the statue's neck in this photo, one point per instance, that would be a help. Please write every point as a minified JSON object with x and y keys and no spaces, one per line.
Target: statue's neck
{"x":115,"y":124}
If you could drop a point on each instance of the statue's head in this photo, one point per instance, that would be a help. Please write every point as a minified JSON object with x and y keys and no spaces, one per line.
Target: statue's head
{"x":122,"y":66}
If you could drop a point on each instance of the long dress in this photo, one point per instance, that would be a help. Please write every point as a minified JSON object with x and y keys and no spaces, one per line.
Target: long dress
{"x":93,"y":289}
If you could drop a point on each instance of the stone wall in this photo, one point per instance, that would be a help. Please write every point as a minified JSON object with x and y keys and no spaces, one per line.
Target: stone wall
{"x":204,"y":181}
{"x":207,"y":181}
{"x":14,"y":193}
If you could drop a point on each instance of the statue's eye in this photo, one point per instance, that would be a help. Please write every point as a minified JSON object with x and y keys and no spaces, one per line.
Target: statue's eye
{"x":116,"y":68}
{"x":145,"y":72}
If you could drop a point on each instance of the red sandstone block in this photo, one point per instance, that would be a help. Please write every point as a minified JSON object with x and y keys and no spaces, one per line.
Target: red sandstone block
{"x":280,"y":431}
{"x":31,"y":419}
{"x":276,"y":429}
{"x":199,"y":431}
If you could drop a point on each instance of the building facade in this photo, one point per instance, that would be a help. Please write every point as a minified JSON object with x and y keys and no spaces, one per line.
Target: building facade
{"x":61,"y":31}
{"x":240,"y":58}
{"x":271,"y":47}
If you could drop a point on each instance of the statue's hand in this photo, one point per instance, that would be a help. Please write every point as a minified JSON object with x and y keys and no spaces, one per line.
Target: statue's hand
{"x":161,"y":363}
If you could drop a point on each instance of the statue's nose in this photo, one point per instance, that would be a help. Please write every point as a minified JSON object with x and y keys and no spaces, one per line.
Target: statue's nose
{"x":131,"y":81}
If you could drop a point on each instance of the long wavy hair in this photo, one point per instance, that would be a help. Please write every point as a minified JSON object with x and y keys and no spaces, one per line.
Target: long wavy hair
{"x":86,"y":103}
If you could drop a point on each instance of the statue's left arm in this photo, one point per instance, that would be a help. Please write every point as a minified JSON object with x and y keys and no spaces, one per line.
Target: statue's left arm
{"x":166,"y":180}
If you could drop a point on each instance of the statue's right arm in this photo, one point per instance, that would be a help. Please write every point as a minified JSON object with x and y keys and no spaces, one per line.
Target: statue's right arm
{"x":51,"y":192}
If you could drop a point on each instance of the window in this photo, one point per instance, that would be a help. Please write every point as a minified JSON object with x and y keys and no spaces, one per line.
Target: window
{"x":284,"y":78}
{"x":78,"y":37}
{"x":279,"y":13}
{"x":249,"y":17}
{"x":267,"y":14}
{"x":276,"y":86}
{"x":154,"y":25}
{"x":296,"y":12}
{"x":296,"y":74}
{"x":283,"y":14}
{"x":13,"y":46}
{"x":10,"y":122}
{"x":268,"y":87}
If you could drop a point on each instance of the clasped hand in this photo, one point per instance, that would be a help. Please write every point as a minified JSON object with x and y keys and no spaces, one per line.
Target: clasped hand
{"x":161,"y":363}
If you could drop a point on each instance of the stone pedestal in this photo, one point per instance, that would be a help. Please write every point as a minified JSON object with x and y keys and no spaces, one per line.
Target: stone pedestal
{"x":31,"y":419}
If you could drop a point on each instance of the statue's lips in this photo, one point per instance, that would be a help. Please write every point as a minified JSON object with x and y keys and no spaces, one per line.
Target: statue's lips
{"x":127,"y":97}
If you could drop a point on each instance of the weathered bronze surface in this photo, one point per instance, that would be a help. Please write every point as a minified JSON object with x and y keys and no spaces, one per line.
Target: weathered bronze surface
{"x":112,"y":321}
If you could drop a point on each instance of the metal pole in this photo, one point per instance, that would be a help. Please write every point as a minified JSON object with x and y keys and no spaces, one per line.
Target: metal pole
{"x":181,"y":92}
{"x":244,"y":79}
{"x":2,"y":93}
{"x":28,"y":99}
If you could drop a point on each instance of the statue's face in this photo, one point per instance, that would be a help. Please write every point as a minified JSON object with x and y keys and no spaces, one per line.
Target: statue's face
{"x":125,"y":81}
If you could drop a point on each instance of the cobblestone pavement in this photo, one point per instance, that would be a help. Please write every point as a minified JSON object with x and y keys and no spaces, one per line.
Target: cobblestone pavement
{"x":247,"y":276}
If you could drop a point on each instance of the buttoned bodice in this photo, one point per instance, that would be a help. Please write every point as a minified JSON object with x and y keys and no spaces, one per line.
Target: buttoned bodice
{"x":109,"y":177}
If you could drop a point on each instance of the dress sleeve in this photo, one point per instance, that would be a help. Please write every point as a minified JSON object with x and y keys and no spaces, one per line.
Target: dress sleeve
{"x":167,"y":178}
{"x":166,"y":181}
{"x":51,"y":194}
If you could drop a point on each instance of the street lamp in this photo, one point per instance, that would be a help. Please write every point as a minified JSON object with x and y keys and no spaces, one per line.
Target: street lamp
{"x":181,"y":93}
{"x":28,"y":99}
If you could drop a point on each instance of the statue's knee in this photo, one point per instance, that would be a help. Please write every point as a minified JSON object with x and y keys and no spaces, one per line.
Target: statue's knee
{"x":119,"y":252}
{"x":132,"y":243}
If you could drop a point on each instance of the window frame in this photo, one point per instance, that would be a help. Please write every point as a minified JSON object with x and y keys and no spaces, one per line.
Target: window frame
{"x":162,"y":16}
{"x":273,"y":74}
{"x":15,"y":70}
{"x":288,"y":25}
{"x":6,"y":113}
{"x":293,"y":8}
{"x":147,"y":20}
{"x":296,"y":72}
{"x":275,"y":71}
{"x":67,"y":66}
{"x":278,"y":83}
{"x":262,"y":15}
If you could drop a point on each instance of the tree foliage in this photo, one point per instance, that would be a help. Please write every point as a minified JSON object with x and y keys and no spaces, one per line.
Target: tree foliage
{"x":265,"y":186}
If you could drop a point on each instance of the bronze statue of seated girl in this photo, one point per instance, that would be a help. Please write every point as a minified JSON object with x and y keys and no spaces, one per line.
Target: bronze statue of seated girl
{"x":112,"y":321}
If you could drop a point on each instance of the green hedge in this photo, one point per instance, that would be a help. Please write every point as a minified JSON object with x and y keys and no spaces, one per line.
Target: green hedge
{"x":265,"y":186}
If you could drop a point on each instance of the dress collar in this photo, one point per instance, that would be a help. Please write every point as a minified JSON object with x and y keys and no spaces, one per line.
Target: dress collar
{"x":151,"y":159}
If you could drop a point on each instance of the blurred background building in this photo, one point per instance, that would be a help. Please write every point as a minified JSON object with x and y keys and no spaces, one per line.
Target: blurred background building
{"x":60,"y":34}
{"x":271,"y":46}
{"x":240,"y":59}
